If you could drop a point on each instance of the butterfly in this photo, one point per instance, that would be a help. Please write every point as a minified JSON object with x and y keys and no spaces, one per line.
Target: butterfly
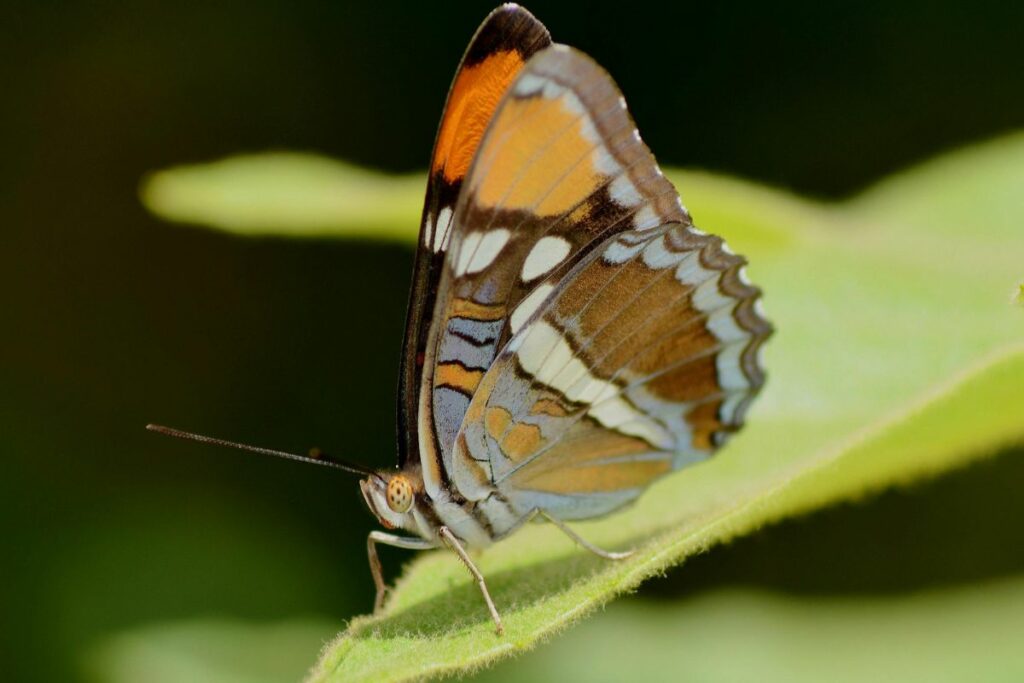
{"x":571,"y":336}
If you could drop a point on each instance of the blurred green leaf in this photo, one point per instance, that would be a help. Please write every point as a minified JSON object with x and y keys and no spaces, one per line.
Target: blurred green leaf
{"x":963,"y":634}
{"x":288,"y":194}
{"x":209,"y":651}
{"x":897,"y":356}
{"x":951,"y":634}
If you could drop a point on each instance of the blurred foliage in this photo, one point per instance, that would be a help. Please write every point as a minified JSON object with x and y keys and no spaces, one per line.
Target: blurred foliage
{"x":963,"y":634}
{"x":858,"y":292}
{"x":288,"y":194}
{"x":210,"y":651}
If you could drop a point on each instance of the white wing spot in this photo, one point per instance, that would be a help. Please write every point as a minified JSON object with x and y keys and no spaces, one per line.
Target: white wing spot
{"x":604,"y":162}
{"x":479,"y":249}
{"x":623,"y":191}
{"x":528,"y":306}
{"x":656,"y":256}
{"x":707,"y":297}
{"x":646,"y":218}
{"x":552,"y":90}
{"x":730,"y":374}
{"x":428,"y":231}
{"x":723,"y":325}
{"x":528,"y":84}
{"x":617,"y":252}
{"x":442,"y":230}
{"x":572,"y":104}
{"x":690,"y":271}
{"x":545,"y":255}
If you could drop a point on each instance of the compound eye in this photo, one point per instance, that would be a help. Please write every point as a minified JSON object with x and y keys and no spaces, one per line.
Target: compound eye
{"x":399,"y":494}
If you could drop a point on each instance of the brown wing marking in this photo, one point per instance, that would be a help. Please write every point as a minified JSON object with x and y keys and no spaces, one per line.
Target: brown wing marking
{"x":652,"y":341}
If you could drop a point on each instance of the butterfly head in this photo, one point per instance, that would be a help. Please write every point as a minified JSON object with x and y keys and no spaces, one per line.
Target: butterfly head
{"x":390,"y":497}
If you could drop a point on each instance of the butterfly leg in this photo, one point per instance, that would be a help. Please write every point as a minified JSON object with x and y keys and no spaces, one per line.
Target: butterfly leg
{"x":376,"y":570}
{"x":600,"y":552}
{"x":454,"y":544}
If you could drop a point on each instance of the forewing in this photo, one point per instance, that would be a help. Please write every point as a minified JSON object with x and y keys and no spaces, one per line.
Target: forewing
{"x":507,"y":38}
{"x":559,"y":170}
{"x":644,"y":359}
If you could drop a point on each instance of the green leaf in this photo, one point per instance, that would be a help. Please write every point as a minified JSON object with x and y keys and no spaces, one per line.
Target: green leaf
{"x":208,"y":651}
{"x":736,"y":635}
{"x":898,"y":356}
{"x":288,"y":194}
{"x":963,"y":634}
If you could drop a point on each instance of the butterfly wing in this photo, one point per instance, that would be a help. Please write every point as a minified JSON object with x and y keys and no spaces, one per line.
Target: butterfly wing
{"x":497,"y":52}
{"x":628,"y":338}
{"x":643,"y":360}
{"x":558,"y":171}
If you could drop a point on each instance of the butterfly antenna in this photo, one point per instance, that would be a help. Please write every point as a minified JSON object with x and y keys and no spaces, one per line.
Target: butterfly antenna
{"x":319,"y":459}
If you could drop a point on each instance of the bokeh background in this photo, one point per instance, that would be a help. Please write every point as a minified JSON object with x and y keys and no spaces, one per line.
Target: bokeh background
{"x":112,"y":319}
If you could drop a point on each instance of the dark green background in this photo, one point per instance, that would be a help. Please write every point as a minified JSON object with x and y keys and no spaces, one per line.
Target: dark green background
{"x":111,"y":319}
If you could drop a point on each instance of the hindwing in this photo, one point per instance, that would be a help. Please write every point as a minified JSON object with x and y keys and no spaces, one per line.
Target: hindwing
{"x":643,"y":360}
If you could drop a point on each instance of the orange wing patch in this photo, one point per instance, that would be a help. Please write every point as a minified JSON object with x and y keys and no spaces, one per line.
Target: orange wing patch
{"x":457,"y":377}
{"x":516,"y":440}
{"x":546,"y":406}
{"x":597,"y":478}
{"x":597,"y":462}
{"x":465,"y":308}
{"x":471,"y":104}
{"x":548,"y":166}
{"x":497,"y":421}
